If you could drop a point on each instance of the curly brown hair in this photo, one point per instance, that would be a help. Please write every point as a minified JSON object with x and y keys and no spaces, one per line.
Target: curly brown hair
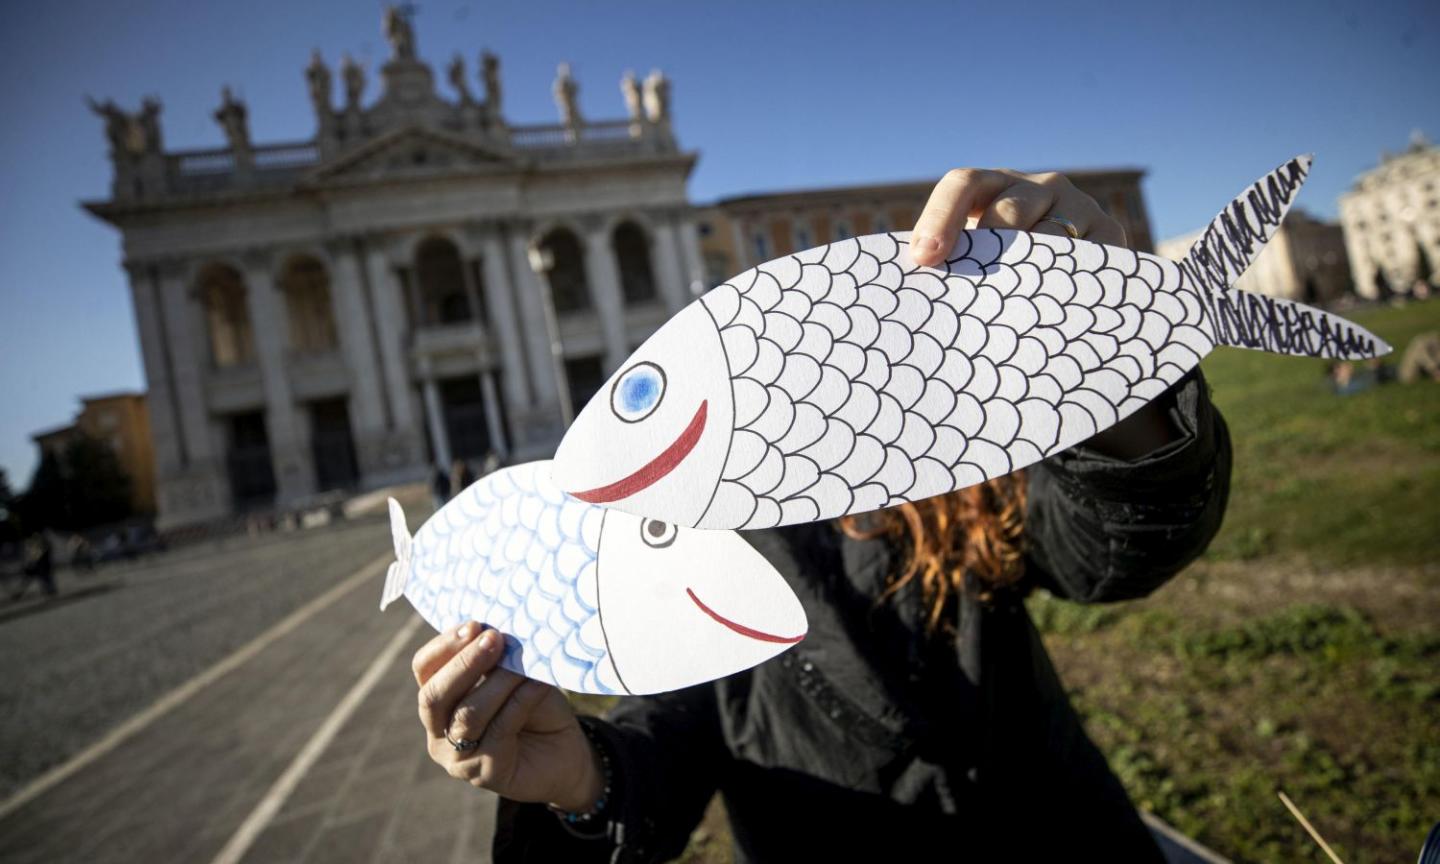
{"x":977,"y":530}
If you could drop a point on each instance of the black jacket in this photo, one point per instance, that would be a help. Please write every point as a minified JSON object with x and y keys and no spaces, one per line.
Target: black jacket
{"x":867,"y":738}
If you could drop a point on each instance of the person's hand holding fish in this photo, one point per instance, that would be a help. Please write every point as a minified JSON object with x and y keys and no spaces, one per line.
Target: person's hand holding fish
{"x":498,"y":730}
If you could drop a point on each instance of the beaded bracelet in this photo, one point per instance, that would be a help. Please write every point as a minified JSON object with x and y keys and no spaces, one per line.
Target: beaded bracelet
{"x":592,"y":815}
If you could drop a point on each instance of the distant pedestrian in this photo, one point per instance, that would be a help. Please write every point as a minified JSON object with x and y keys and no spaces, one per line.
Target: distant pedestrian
{"x":440,"y":486}
{"x":1421,"y":360}
{"x":39,"y":566}
{"x":461,"y":476}
{"x":491,"y":463}
{"x":82,"y":557}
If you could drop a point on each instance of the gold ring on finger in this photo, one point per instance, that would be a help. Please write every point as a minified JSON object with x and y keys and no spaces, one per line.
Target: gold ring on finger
{"x":1070,"y":230}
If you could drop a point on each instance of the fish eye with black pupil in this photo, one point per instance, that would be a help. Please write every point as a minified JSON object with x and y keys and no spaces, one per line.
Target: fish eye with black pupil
{"x":637,"y":392}
{"x":657,"y":534}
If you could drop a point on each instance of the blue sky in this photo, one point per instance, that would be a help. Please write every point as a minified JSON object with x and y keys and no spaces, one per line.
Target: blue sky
{"x":774,"y":95}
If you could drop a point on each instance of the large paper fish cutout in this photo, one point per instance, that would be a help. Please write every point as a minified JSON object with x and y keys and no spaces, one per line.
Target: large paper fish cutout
{"x":590,"y":599}
{"x":846,"y":378}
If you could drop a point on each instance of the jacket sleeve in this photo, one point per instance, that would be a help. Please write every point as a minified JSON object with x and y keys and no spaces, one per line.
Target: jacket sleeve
{"x":1101,"y":528}
{"x":666,"y":753}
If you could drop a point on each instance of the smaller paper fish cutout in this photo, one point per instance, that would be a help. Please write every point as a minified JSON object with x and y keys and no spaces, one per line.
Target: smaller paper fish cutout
{"x":589,"y":599}
{"x":846,"y":378}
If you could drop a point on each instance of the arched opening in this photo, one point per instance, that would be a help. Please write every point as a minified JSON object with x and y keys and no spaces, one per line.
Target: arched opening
{"x":632,"y":256}
{"x":307,"y":301}
{"x":440,"y":279}
{"x":569,"y":290}
{"x":227,"y":317}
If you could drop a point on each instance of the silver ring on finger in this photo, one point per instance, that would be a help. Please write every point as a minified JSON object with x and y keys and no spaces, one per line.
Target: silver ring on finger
{"x":1070,"y":230}
{"x":461,"y":745}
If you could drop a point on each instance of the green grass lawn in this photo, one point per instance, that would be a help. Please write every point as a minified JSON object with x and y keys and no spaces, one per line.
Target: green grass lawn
{"x":1303,"y":652}
{"x":1340,"y":480}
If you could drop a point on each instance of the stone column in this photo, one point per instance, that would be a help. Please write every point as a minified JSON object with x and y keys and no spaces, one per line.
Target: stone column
{"x":665,"y":257}
{"x":357,"y":330}
{"x":390,"y":318}
{"x":435,"y":414}
{"x":503,"y":323}
{"x":532,"y":321}
{"x":357,"y":343}
{"x":199,"y":489}
{"x":742,"y":246}
{"x":538,"y":426}
{"x":294,"y":468}
{"x":402,"y":453}
{"x":155,"y":354}
{"x":692,"y":259}
{"x":604,"y":277}
{"x":498,"y":440}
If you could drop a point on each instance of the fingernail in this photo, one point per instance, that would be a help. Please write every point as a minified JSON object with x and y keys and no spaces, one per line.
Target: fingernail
{"x":924,"y":244}
{"x":463,"y":633}
{"x":488,"y":640}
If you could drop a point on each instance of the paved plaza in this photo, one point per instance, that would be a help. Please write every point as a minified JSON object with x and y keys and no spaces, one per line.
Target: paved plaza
{"x":239,"y":701}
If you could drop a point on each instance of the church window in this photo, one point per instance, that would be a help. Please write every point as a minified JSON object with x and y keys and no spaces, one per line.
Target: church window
{"x":232,"y":341}
{"x":440,"y":279}
{"x":632,"y":257}
{"x":569,"y":288}
{"x":307,"y":299}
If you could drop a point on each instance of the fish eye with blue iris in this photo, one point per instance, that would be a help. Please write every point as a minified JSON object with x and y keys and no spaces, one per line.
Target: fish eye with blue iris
{"x":637,"y":392}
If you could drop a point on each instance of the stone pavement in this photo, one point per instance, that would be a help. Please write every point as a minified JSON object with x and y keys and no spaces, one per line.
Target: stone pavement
{"x":375,"y":796}
{"x":180,"y":787}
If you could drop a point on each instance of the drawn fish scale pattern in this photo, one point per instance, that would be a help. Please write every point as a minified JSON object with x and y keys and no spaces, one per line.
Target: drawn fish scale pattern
{"x":859,"y":383}
{"x":515,"y":553}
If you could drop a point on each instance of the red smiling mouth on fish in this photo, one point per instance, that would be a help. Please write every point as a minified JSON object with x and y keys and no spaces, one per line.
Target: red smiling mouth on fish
{"x":741,"y":628}
{"x":655,"y":469}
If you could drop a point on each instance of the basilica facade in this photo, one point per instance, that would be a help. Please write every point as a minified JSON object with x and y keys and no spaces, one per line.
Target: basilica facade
{"x":420,"y":281}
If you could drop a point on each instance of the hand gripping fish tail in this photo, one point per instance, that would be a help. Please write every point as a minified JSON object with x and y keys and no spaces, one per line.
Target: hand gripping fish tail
{"x":1241,"y":319}
{"x":398,"y":575}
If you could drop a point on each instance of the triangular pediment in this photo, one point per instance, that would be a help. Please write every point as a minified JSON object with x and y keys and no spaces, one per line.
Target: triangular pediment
{"x":412,"y":151}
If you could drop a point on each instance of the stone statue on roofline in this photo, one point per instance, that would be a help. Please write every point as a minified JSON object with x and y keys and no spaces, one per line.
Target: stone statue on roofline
{"x":317,"y":75}
{"x":490,"y":76}
{"x":354,"y":77}
{"x":148,"y":121}
{"x":634,"y":103}
{"x":456,"y":73}
{"x":231,"y":116}
{"x":400,"y":34}
{"x":657,"y":97}
{"x":567,"y":99}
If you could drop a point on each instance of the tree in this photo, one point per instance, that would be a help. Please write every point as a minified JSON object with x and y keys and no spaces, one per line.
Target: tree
{"x":1424,"y":270}
{"x":1382,"y":285}
{"x":82,"y":487}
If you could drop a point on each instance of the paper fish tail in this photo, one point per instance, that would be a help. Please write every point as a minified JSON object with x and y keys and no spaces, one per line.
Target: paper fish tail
{"x":1242,"y":319}
{"x":1237,"y":236}
{"x":398,"y":575}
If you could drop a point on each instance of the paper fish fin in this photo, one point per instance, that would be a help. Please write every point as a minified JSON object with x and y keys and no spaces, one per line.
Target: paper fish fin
{"x":1241,"y":319}
{"x":399,"y":573}
{"x":1238,"y":235}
